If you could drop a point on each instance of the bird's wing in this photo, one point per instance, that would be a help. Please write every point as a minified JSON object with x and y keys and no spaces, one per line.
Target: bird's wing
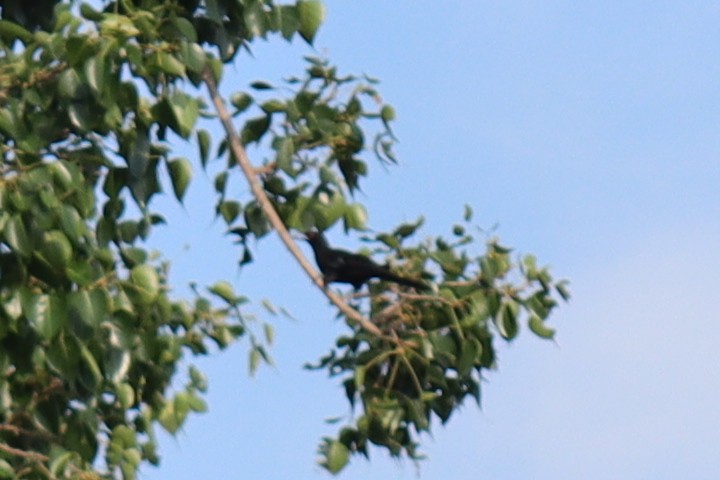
{"x":356,"y":261}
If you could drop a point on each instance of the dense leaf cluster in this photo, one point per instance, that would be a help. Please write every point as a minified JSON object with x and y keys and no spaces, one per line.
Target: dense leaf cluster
{"x":90,"y":335}
{"x":434,"y":346}
{"x":316,"y":140}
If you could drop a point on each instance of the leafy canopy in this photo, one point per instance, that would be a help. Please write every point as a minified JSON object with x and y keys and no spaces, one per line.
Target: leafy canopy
{"x":92,"y":99}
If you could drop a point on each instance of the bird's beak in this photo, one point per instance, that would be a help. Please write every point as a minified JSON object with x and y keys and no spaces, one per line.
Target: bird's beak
{"x":310,"y":235}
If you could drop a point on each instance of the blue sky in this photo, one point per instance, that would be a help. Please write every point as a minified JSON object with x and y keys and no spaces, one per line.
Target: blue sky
{"x":590,"y":133}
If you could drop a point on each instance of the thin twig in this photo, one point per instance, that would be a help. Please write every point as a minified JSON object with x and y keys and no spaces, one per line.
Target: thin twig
{"x":249,"y":171}
{"x":17,"y":431}
{"x":34,"y":456}
{"x":6,"y":427}
{"x":429,"y":298}
{"x":413,"y":375}
{"x":386,"y":312}
{"x":265,"y":169}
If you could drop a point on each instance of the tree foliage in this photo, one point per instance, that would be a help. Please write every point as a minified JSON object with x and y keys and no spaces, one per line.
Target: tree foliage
{"x":90,"y":335}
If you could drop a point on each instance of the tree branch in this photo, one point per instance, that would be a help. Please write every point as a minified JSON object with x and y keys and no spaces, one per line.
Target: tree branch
{"x":34,"y":456}
{"x":250,"y":173}
{"x":429,"y":298}
{"x":17,"y":431}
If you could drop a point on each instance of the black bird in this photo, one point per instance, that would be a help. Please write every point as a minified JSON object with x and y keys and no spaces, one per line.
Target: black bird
{"x":346,"y":267}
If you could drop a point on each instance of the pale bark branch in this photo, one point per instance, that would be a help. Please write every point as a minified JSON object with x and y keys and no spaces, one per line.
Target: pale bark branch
{"x":271,"y":214}
{"x":34,"y":456}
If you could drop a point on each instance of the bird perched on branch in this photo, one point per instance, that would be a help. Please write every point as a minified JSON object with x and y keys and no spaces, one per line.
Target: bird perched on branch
{"x":345,"y":267}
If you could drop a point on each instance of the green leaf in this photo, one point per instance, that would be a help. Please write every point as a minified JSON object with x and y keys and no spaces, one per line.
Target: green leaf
{"x":269,"y":332}
{"x":122,"y":304}
{"x":289,"y":22}
{"x":507,"y":320}
{"x":254,"y":360}
{"x":129,"y":231}
{"x":470,"y":352}
{"x":193,"y":55}
{"x":325,"y":214}
{"x":196,"y":403}
{"x":8,"y":123}
{"x":359,"y":377}
{"x":138,"y":157}
{"x":562,"y":290}
{"x":182,"y":406}
{"x":285,"y":151}
{"x":275,"y":185}
{"x":90,"y":13}
{"x":92,"y":366}
{"x":56,"y":249}
{"x":16,"y":236}
{"x":116,"y":364}
{"x":336,"y":456}
{"x":59,"y":461}
{"x":254,"y":129}
{"x":132,"y":457}
{"x":134,"y":256}
{"x":355,"y":217}
{"x":198,"y":379}
{"x":49,"y":199}
{"x":539,"y":328}
{"x":497,"y":248}
{"x":221,"y":182}
{"x":63,"y":355}
{"x":19,"y":201}
{"x":115,"y":24}
{"x":10,"y":31}
{"x":81,"y":272}
{"x":256,"y":221}
{"x":180,"y":174}
{"x":71,"y":223}
{"x":47,"y":314}
{"x":389,"y":240}
{"x":468,"y":213}
{"x":387,"y":115}
{"x":7,"y":472}
{"x":170,"y":64}
{"x":69,"y":84}
{"x":408,"y":229}
{"x":185,"y":27}
{"x":225,"y":291}
{"x":168,"y":418}
{"x":255,"y":19}
{"x":203,"y":137}
{"x":82,"y":116}
{"x":443,"y":344}
{"x":416,"y":412}
{"x":88,"y":306}
{"x":116,"y":357}
{"x":146,"y":282}
{"x":185,"y":110}
{"x":95,"y":72}
{"x":273,"y":106}
{"x":229,"y":210}
{"x":310,"y":15}
{"x":269,"y":307}
{"x":126,"y":395}
{"x":261,"y":85}
{"x":300,"y":217}
{"x":116,"y":179}
{"x":124,"y":437}
{"x":241,"y":101}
